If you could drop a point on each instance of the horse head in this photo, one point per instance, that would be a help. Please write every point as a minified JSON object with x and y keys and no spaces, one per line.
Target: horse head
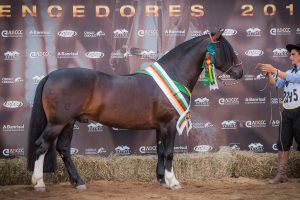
{"x":226,"y":59}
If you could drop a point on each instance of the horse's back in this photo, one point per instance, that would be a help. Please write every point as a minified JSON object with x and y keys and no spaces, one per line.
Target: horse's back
{"x":131,"y":101}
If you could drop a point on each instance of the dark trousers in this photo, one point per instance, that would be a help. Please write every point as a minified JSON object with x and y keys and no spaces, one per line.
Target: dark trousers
{"x":289,"y":129}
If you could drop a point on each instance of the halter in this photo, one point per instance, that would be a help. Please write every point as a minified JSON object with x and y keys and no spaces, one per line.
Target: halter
{"x":223,"y":82}
{"x":233,"y":65}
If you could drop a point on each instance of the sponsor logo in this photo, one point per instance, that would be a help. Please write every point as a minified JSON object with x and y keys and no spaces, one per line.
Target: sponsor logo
{"x":256,"y":147}
{"x":90,"y":151}
{"x":260,"y":77}
{"x":196,"y":33}
{"x":118,"y":129}
{"x":255,"y":100}
{"x":13,"y":128}
{"x":229,"y":101}
{"x":74,"y":151}
{"x":250,"y":77}
{"x":93,"y":34}
{"x":11,"y":55}
{"x":95,"y":127}
{"x":37,"y":79}
{"x":13,"y":104}
{"x":229,"y":124}
{"x":148,"y":149}
{"x":75,"y":127}
{"x":280,"y":31}
{"x":35,"y":33}
{"x":274,"y":147}
{"x":203,"y":148}
{"x":180,"y":149}
{"x":170,"y":32}
{"x":39,"y":54}
{"x":202,"y":125}
{"x":201,"y":101}
{"x":13,"y":152}
{"x":226,"y":77}
{"x":67,"y":54}
{"x":94,"y":54}
{"x":254,"y":52}
{"x":253,"y":32}
{"x":120,"y":33}
{"x":101,"y":150}
{"x":94,"y":151}
{"x":117,"y":54}
{"x":275,"y":123}
{"x":229,"y":32}
{"x":280,"y":52}
{"x":122,"y":150}
{"x":256,"y":124}
{"x":12,"y":33}
{"x":12,"y":80}
{"x":67,"y":33}
{"x":276,"y":100}
{"x":235,"y":146}
{"x":148,"y":54}
{"x":148,"y":33}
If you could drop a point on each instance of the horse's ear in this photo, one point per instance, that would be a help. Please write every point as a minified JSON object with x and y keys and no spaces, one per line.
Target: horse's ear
{"x":216,"y":36}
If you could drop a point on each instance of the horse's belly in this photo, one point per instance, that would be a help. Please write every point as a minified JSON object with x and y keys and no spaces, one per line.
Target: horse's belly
{"x":128,"y":117}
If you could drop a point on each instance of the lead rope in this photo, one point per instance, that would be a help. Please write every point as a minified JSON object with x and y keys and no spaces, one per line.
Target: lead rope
{"x":271,"y":108}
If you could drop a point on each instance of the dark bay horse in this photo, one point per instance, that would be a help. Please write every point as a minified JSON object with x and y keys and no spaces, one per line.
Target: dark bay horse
{"x":78,"y":94}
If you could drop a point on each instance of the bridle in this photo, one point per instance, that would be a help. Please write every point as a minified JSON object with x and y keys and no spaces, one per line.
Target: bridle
{"x":225,"y":72}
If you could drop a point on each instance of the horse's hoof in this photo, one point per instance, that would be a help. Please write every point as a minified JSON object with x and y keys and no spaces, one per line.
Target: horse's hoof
{"x":176,"y":187}
{"x":40,"y":189}
{"x":81,"y":187}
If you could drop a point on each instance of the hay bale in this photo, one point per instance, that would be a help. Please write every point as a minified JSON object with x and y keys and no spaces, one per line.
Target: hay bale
{"x":199,"y":166}
{"x":192,"y":166}
{"x":141,"y":168}
{"x":254,"y":165}
{"x":264,"y":165}
{"x":294,"y":164}
{"x":13,"y":171}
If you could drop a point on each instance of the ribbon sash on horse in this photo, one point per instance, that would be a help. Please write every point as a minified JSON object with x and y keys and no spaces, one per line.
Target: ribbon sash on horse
{"x":174,"y":95}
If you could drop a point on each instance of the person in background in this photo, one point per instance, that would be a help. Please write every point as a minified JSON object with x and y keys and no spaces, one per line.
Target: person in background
{"x":290,"y":122}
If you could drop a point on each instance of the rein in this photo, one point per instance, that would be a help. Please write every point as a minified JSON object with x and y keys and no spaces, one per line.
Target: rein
{"x":266,"y":76}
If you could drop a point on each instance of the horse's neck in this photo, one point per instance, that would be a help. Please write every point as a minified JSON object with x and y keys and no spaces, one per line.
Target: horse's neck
{"x":186,"y":67}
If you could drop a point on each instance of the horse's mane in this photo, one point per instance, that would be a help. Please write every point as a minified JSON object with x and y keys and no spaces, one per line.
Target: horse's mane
{"x":228,"y":51}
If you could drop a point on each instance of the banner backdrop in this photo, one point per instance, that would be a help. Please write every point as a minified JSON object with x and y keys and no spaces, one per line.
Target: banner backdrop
{"x":40,"y":36}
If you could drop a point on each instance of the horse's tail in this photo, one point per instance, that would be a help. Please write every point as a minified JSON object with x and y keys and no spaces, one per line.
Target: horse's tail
{"x":38,"y":122}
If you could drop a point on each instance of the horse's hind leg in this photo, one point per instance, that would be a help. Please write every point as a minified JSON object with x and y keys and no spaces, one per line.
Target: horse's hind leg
{"x":63,"y":146}
{"x":43,"y":143}
{"x":160,"y":168}
{"x":170,"y":178}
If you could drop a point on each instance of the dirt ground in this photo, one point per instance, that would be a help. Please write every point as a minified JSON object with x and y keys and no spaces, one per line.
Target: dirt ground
{"x":221,"y":189}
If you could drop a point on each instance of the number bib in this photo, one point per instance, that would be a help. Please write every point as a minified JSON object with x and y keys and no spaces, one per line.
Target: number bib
{"x":291,"y":96}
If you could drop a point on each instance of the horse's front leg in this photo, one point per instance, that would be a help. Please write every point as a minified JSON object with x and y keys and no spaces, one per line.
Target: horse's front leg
{"x":63,"y":147}
{"x":170,"y":178}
